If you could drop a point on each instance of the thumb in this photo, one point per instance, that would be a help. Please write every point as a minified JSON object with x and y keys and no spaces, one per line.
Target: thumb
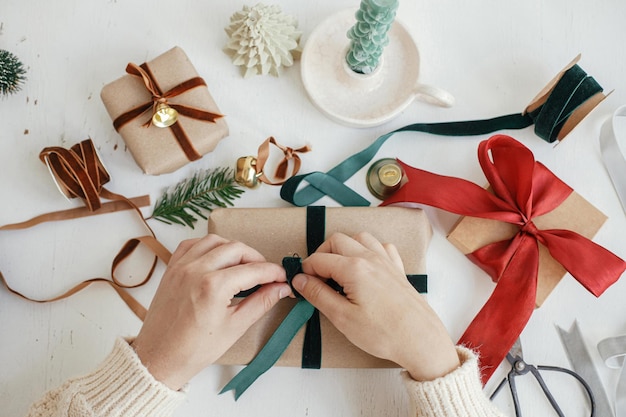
{"x":318,"y":293}
{"x":250,"y":310}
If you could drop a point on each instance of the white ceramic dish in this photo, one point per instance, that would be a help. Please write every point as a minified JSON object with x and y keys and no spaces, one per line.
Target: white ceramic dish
{"x":363,"y":100}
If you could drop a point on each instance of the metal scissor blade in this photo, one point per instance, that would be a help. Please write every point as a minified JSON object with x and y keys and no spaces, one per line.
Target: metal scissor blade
{"x":516,"y":349}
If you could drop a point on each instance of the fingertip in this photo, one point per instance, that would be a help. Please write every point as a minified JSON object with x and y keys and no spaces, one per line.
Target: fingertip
{"x":394,"y":255}
{"x":284,"y":292}
{"x":260,"y":302}
{"x":182,"y":248}
{"x":299,"y":281}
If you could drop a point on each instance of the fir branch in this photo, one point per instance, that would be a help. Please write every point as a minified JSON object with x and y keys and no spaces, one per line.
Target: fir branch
{"x":205,"y":190}
{"x":12,"y":73}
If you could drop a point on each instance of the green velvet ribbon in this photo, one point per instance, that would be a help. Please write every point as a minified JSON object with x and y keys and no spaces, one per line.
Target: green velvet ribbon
{"x":573,"y":89}
{"x":273,"y":349}
{"x":302,"y":313}
{"x":299,"y":315}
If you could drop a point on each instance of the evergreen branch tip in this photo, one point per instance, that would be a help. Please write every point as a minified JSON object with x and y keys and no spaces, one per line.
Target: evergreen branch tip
{"x":205,"y":190}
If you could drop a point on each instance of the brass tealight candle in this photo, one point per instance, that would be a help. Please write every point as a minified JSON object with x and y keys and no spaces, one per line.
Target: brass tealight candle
{"x":384,"y":177}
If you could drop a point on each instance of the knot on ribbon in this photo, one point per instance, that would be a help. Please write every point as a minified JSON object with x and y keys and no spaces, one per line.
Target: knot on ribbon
{"x":78,"y":172}
{"x":522,"y":190}
{"x":289,"y":154}
{"x":149,"y":83}
{"x":530,"y":228}
{"x":157,"y":97}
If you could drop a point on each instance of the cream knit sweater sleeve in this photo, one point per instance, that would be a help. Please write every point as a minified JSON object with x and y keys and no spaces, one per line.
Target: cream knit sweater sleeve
{"x":123,"y":387}
{"x":458,"y":394}
{"x":120,"y":387}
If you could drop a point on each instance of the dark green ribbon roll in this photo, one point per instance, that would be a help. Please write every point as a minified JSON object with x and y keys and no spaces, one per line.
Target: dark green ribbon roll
{"x":573,"y":90}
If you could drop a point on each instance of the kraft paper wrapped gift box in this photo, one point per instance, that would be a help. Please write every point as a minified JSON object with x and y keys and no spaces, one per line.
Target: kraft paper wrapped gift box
{"x":157,"y":150}
{"x":575,"y":214}
{"x":280,"y":232}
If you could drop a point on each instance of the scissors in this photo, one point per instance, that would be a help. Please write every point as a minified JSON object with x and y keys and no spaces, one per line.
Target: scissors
{"x":519,"y":367}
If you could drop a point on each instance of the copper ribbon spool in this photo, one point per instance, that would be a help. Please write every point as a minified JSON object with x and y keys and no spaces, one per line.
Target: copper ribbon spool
{"x":79,"y":173}
{"x":159,"y":98}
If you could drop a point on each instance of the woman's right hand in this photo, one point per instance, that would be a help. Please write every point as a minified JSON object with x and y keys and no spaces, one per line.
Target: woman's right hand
{"x":381,"y":312}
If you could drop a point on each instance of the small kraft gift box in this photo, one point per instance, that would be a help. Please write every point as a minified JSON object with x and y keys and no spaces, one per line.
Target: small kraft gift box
{"x":164,"y":112}
{"x":575,"y":213}
{"x":282,"y":232}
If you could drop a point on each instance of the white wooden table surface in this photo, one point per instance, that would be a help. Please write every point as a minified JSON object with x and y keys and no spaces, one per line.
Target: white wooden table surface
{"x":493,"y":56}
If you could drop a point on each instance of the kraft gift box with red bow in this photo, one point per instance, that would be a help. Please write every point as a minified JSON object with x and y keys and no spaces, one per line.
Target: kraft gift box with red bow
{"x":525,"y":231}
{"x":168,"y":80}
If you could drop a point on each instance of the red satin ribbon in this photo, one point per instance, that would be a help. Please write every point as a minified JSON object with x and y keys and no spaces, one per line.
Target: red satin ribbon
{"x":522,"y":189}
{"x":144,"y":73}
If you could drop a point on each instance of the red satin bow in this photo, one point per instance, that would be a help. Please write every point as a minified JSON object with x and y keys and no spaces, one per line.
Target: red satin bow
{"x":522,"y":190}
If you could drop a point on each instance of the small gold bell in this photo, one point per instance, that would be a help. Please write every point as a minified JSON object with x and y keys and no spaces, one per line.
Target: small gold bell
{"x":384,"y":177}
{"x":246,"y":174}
{"x":164,"y":116}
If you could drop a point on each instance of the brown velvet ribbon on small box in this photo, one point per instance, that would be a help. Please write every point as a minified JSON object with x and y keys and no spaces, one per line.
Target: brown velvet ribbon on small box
{"x":158,"y":96}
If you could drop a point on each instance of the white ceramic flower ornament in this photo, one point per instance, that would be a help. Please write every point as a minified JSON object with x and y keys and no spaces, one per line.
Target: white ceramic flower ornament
{"x":262,"y":39}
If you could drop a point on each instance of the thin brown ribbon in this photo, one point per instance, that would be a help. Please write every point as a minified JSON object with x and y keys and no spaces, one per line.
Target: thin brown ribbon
{"x":281,"y":170}
{"x":158,"y":97}
{"x":79,"y":173}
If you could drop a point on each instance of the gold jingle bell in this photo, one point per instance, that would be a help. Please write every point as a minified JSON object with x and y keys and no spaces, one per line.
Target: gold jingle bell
{"x":384,"y":177}
{"x":246,"y":174}
{"x":164,"y":116}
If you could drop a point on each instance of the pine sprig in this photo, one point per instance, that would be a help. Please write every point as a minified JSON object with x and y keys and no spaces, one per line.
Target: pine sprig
{"x":205,"y":190}
{"x":12,"y":73}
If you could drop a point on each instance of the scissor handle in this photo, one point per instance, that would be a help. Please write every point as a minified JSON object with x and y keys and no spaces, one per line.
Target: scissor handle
{"x":535,"y":371}
{"x":510,"y":379}
{"x":592,"y":399}
{"x":545,"y":389}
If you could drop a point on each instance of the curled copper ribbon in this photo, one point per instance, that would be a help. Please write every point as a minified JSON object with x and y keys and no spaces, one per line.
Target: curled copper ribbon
{"x":79,"y":173}
{"x":522,"y":190}
{"x":158,"y":97}
{"x":263,"y":154}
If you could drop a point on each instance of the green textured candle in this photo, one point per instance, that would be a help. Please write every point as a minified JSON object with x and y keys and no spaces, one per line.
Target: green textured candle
{"x":368,"y":37}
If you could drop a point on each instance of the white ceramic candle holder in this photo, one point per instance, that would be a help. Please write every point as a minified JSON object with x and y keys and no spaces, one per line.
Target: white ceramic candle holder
{"x":363,"y":100}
